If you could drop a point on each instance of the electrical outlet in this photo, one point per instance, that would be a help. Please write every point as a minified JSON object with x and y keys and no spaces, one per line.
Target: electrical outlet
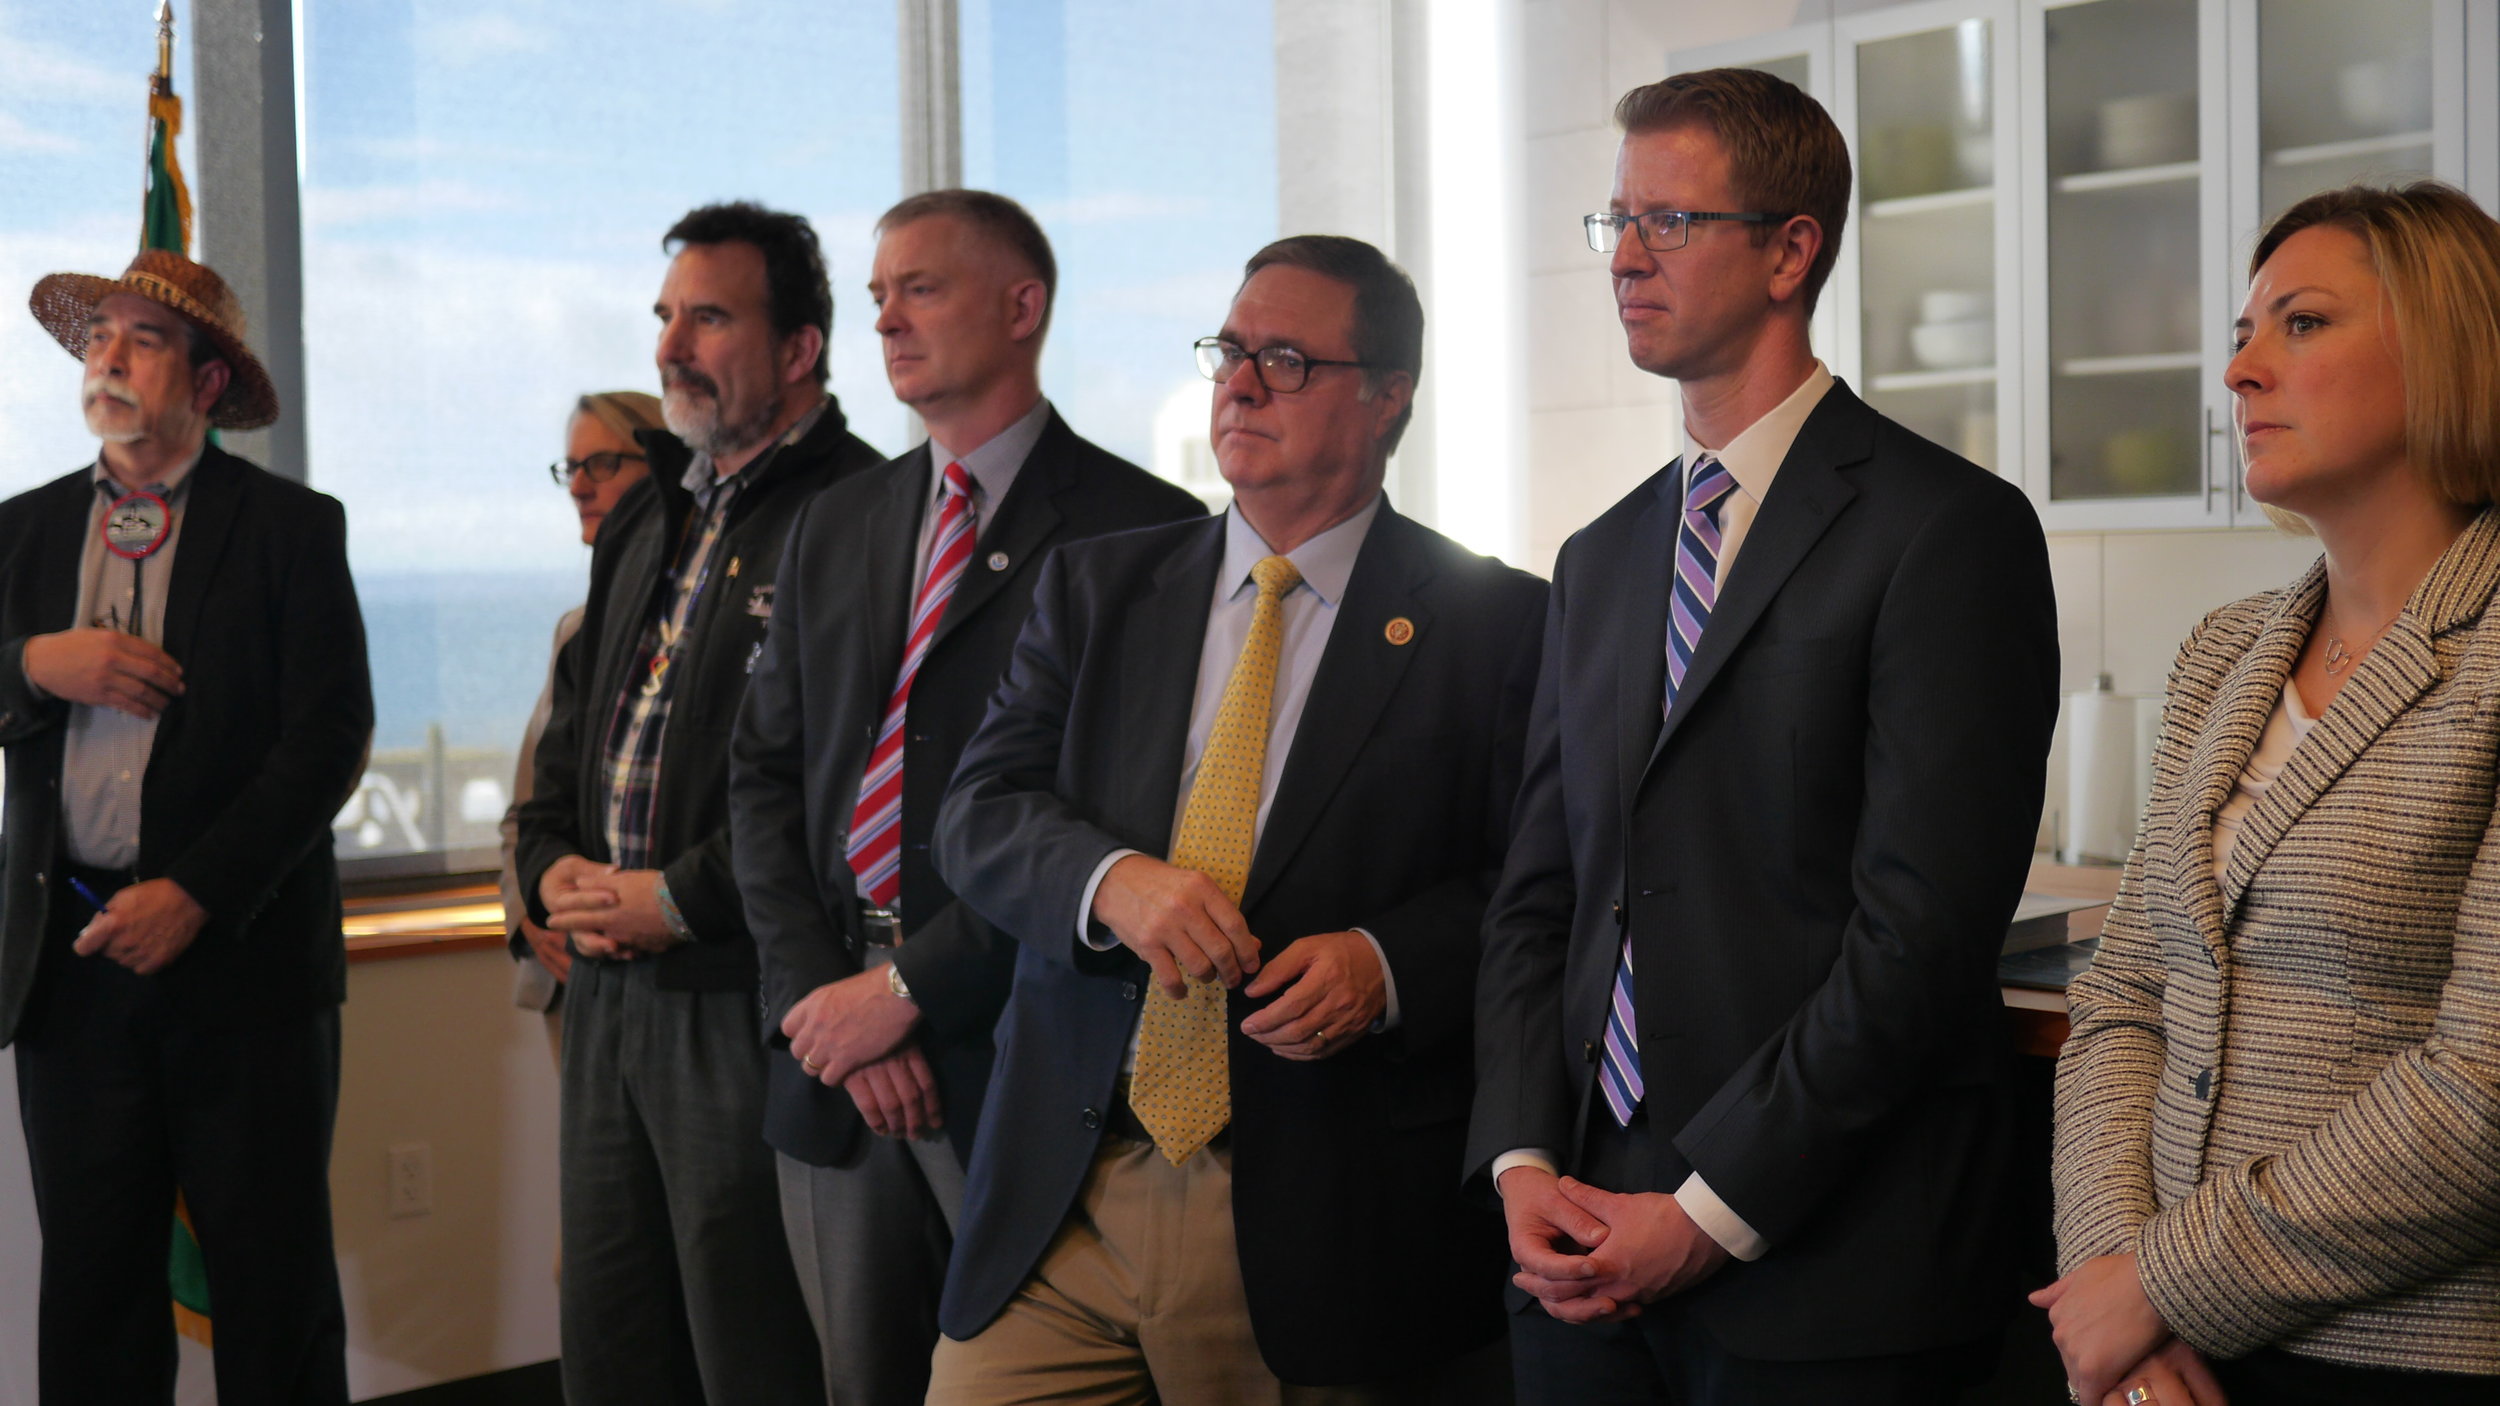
{"x":411,"y":1172}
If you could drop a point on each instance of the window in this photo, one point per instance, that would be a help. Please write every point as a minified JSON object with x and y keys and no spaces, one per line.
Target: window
{"x":1143,"y":137}
{"x":73,"y":161}
{"x":486,"y":185}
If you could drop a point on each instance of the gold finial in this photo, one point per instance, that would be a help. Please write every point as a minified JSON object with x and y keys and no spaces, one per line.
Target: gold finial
{"x":165,"y":41}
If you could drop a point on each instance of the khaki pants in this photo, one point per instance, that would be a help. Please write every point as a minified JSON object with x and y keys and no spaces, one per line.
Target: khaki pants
{"x":1138,"y":1299}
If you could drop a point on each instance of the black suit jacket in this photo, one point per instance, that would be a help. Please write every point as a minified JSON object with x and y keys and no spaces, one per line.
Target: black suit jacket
{"x":811,"y":717}
{"x":1815,"y":858}
{"x":250,"y":762}
{"x":690,"y":821}
{"x":1389,"y":815}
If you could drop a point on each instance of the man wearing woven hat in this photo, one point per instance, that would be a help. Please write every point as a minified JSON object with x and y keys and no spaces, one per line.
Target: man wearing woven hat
{"x":185,"y":705}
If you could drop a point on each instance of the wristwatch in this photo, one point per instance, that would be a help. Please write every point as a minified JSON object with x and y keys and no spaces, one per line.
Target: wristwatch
{"x":894,"y":981}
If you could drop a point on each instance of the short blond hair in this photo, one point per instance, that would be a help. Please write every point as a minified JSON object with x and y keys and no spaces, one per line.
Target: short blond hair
{"x":2438,"y":255}
{"x":622,"y":411}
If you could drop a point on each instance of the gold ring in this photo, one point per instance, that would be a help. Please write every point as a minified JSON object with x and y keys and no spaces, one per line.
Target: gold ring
{"x":811,"y":1066}
{"x":2141,"y":1395}
{"x":1320,"y":1039}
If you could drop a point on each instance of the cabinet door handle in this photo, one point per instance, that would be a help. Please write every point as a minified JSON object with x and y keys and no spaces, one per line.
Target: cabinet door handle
{"x":2212,"y":432}
{"x":2205,"y":460}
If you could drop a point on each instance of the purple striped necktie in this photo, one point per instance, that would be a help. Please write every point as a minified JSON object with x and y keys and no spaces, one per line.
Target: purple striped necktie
{"x":1695,"y":592}
{"x":876,"y":848}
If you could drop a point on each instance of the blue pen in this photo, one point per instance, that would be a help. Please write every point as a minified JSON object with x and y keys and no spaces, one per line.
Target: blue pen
{"x":87,"y":894}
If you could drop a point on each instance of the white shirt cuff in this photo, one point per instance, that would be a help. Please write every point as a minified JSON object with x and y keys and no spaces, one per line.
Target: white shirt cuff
{"x":1085,"y":904}
{"x":1388,"y":980}
{"x":1536,"y":1157}
{"x":1717,"y":1221}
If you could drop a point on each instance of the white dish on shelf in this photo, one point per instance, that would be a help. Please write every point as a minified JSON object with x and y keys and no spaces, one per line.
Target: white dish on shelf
{"x":1954,"y":305}
{"x":2148,"y":129}
{"x":1940,"y":345}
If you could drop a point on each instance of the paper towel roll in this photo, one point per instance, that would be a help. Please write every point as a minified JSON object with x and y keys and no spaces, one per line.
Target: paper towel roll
{"x":2105,"y":776}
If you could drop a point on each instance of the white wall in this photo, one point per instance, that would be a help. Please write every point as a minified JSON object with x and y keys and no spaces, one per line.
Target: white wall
{"x":432,"y":1052}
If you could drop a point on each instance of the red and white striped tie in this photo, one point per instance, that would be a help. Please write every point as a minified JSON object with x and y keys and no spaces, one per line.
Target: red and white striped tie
{"x":876,"y":848}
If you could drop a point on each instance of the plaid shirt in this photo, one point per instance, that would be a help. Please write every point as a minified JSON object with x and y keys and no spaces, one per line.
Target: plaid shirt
{"x":635,"y":731}
{"x":641,"y":719}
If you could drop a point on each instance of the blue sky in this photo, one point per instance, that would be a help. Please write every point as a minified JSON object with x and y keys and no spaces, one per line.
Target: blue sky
{"x":486,"y":184}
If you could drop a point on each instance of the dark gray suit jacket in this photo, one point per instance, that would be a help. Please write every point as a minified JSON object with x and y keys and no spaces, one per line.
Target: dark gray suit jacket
{"x":249,"y":764}
{"x":811,"y":716}
{"x":1815,"y":858}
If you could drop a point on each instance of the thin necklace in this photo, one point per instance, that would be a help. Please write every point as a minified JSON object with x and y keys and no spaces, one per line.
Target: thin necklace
{"x":2338,"y":658}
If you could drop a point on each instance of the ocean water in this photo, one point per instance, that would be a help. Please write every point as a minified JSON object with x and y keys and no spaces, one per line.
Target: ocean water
{"x":458,"y":659}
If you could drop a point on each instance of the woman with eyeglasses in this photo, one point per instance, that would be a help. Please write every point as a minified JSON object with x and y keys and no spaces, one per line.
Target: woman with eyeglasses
{"x":601,"y":461}
{"x":2278,"y":1116}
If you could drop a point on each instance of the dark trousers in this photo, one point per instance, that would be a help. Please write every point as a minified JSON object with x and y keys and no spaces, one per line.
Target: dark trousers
{"x":123,"y":1105}
{"x":677,"y":1280}
{"x":1668,"y":1357}
{"x":2275,"y":1378}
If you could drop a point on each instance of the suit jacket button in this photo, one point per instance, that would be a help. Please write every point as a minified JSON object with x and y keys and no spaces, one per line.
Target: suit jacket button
{"x":1092,"y":1119}
{"x":1588,"y":1051}
{"x":1128,"y":990}
{"x":2205,"y":1083}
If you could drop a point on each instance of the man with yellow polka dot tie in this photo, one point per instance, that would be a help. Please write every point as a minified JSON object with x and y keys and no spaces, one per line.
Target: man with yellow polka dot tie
{"x":1241,"y":798}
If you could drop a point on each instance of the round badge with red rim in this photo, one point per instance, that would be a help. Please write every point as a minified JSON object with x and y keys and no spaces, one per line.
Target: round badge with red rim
{"x":136,"y":525}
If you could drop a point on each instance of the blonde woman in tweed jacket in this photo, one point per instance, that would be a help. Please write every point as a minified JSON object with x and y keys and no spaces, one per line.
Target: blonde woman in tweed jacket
{"x":2278,"y":1117}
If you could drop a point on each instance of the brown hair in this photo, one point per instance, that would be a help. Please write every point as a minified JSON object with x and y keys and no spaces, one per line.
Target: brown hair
{"x":1388,"y":317}
{"x":1784,"y":155}
{"x":996,"y":217}
{"x":2438,"y":256}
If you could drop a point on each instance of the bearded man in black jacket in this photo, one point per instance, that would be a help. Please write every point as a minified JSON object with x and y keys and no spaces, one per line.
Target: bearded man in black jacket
{"x":677,"y":1284}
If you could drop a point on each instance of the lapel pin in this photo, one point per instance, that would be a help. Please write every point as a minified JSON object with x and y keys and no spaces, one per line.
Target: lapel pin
{"x":998,"y":561}
{"x":733,"y":568}
{"x":1399,"y":630}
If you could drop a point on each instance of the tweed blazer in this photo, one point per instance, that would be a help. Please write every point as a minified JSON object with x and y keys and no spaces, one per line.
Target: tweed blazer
{"x":2282,"y":1092}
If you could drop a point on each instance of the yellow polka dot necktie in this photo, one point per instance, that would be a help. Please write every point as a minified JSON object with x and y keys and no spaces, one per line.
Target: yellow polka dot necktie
{"x":1183,"y":1087}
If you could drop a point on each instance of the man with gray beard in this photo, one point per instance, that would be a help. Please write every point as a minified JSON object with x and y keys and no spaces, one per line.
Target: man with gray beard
{"x":677,"y":1280}
{"x":184,"y":704}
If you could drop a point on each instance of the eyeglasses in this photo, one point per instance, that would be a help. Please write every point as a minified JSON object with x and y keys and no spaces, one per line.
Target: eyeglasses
{"x":1282,"y":370}
{"x":1662,"y":231}
{"x":601,"y":467}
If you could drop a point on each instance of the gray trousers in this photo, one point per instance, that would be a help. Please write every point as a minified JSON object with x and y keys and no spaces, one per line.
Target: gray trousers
{"x":870,"y":1241}
{"x":677,"y":1284}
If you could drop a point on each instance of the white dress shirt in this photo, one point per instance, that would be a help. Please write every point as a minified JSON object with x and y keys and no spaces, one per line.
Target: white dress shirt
{"x":1310,"y":609}
{"x":1753,"y":459}
{"x":992,"y":466}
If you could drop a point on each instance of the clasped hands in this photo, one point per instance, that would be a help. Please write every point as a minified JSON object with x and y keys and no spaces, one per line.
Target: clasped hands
{"x":607,"y":911}
{"x":1329,"y":987}
{"x":1595,"y":1256}
{"x":2113,"y":1340}
{"x":855,"y":1035}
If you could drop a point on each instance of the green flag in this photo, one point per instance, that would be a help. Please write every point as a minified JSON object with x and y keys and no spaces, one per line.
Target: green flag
{"x":165,"y":223}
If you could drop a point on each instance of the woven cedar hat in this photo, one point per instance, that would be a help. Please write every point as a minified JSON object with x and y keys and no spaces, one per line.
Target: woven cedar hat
{"x":63,"y":302}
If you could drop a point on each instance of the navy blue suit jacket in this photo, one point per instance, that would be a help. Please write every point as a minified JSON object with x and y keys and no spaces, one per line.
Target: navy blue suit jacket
{"x":1390,"y":816}
{"x":1815,"y":860}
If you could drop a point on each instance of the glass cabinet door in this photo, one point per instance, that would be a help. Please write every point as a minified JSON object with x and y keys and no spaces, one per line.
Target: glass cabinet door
{"x":1923,"y":106}
{"x":2345,"y":92}
{"x":2126,"y":311}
